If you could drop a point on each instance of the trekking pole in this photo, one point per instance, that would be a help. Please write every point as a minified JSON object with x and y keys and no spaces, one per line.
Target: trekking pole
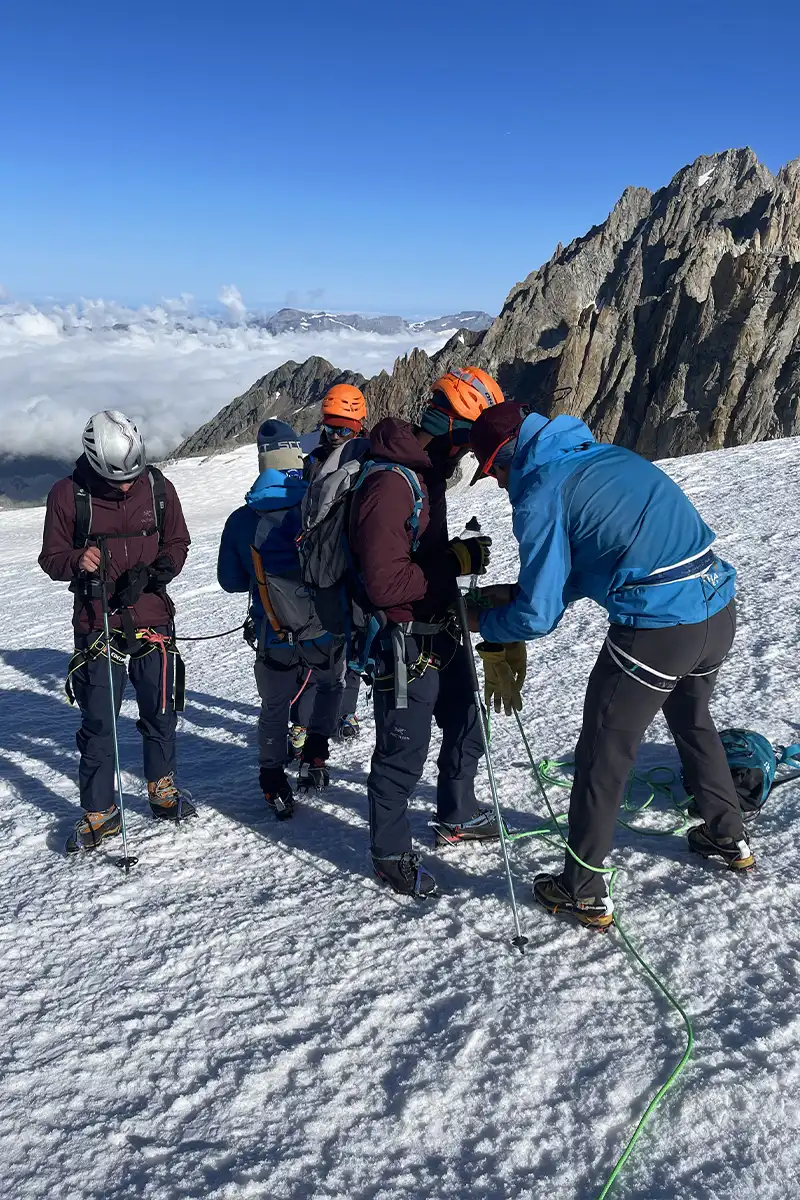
{"x":520,"y":941}
{"x":126,"y":861}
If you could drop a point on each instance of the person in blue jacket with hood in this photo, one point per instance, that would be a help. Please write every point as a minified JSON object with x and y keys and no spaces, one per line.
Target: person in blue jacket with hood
{"x":259,"y":539}
{"x":601,"y":522}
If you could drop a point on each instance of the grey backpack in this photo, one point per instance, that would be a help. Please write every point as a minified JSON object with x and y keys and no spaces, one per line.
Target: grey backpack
{"x":326,"y":563}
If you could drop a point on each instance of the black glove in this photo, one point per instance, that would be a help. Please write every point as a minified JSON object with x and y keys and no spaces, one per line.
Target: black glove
{"x":472,"y":554}
{"x":130,"y":586}
{"x":162,"y":572}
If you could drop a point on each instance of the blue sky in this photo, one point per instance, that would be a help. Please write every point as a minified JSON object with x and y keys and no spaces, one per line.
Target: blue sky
{"x":406,"y":157}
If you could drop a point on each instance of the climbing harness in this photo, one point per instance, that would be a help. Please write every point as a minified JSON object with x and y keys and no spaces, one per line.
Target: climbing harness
{"x":162,"y":642}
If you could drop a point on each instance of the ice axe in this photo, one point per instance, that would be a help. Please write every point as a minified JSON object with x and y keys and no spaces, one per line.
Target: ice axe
{"x":519,"y":940}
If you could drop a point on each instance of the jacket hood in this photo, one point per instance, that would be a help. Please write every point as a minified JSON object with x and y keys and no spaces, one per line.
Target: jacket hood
{"x":542,"y":441}
{"x":276,"y":489}
{"x":395,"y":441}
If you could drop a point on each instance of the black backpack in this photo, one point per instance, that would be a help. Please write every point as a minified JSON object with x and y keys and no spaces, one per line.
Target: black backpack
{"x":83,"y":509}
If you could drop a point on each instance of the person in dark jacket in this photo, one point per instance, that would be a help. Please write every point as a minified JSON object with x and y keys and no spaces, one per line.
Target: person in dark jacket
{"x":113,"y":485}
{"x":343,"y":418}
{"x":269,"y":523}
{"x":421,"y":669}
{"x":601,"y":522}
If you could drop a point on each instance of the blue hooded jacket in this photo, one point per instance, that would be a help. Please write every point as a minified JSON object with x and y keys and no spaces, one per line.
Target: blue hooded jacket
{"x":591,"y":519}
{"x":273,"y":491}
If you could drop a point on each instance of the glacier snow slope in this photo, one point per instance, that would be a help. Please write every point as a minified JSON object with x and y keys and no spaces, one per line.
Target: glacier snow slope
{"x":249,"y":1014}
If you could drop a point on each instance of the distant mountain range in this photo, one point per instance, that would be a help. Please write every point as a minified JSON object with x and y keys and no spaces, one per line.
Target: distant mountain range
{"x":295,"y":320}
{"x":672,"y":328}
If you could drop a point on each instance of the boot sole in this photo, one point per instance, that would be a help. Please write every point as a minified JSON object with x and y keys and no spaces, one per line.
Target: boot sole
{"x":419,"y":896}
{"x":597,"y":924}
{"x":738,"y":865}
{"x":458,"y":839}
{"x":163,"y":816}
{"x":79,"y":846}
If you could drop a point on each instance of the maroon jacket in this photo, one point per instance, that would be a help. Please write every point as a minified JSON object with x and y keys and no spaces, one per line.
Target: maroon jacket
{"x":405,"y":586}
{"x":113,"y":512}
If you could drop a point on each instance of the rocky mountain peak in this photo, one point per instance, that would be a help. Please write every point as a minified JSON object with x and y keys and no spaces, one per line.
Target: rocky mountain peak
{"x":672,"y":327}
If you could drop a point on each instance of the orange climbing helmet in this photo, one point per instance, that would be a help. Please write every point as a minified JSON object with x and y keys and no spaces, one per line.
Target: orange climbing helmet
{"x":467,"y":392}
{"x":344,"y":404}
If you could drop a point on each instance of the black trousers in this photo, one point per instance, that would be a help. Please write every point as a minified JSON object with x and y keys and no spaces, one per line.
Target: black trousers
{"x":276,"y":670}
{"x":402,"y":740}
{"x":95,"y":738}
{"x":675,"y":669}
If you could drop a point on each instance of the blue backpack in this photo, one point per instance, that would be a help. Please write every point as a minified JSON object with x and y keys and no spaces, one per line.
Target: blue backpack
{"x":754,"y":762}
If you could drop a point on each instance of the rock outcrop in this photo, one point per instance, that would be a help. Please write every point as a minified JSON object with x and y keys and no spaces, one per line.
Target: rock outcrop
{"x":671,"y":328}
{"x":292,"y":392}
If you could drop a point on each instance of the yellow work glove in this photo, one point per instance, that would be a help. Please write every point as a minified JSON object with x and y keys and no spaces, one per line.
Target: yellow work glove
{"x":517,"y":659}
{"x":503,"y":675}
{"x":472,"y":554}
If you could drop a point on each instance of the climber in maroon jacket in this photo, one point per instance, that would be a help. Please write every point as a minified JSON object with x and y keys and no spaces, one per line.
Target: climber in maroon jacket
{"x":421,"y":671}
{"x":114,"y":498}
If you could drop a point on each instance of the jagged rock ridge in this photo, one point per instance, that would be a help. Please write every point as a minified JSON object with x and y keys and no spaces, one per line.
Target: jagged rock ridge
{"x":675,"y":325}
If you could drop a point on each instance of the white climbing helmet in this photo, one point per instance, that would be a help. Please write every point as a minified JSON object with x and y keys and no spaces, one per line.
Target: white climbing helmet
{"x":114,"y":446}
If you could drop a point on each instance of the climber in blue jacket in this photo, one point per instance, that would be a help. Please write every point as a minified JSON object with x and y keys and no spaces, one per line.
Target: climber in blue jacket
{"x":264,"y":531}
{"x":600,"y":522}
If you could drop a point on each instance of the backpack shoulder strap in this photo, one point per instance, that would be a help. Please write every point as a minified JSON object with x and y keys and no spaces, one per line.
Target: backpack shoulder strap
{"x":159,"y":489}
{"x":268,"y":519}
{"x":413,"y":482}
{"x":83,"y":514}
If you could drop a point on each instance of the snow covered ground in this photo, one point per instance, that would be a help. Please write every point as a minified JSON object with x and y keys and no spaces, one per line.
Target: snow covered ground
{"x":250,"y":1015}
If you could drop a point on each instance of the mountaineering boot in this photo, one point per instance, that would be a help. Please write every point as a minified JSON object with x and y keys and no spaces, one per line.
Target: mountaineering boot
{"x":551,"y":892}
{"x":313,"y":776}
{"x":295,"y":741}
{"x":92,"y":828}
{"x":277,"y":791}
{"x":167,"y":801}
{"x":405,"y":874}
{"x":480,"y":828}
{"x":349,"y":728}
{"x":737,"y":855}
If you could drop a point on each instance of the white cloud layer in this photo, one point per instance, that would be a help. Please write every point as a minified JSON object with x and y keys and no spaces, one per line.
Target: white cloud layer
{"x":168,"y":368}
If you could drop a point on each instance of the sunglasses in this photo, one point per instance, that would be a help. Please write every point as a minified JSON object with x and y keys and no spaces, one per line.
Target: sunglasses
{"x":340,"y":431}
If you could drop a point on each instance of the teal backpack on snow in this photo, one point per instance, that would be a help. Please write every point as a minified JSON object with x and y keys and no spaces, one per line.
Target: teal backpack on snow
{"x":754,"y":763}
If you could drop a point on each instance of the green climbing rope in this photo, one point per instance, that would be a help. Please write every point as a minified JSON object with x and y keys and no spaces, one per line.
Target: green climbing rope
{"x":544,"y":773}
